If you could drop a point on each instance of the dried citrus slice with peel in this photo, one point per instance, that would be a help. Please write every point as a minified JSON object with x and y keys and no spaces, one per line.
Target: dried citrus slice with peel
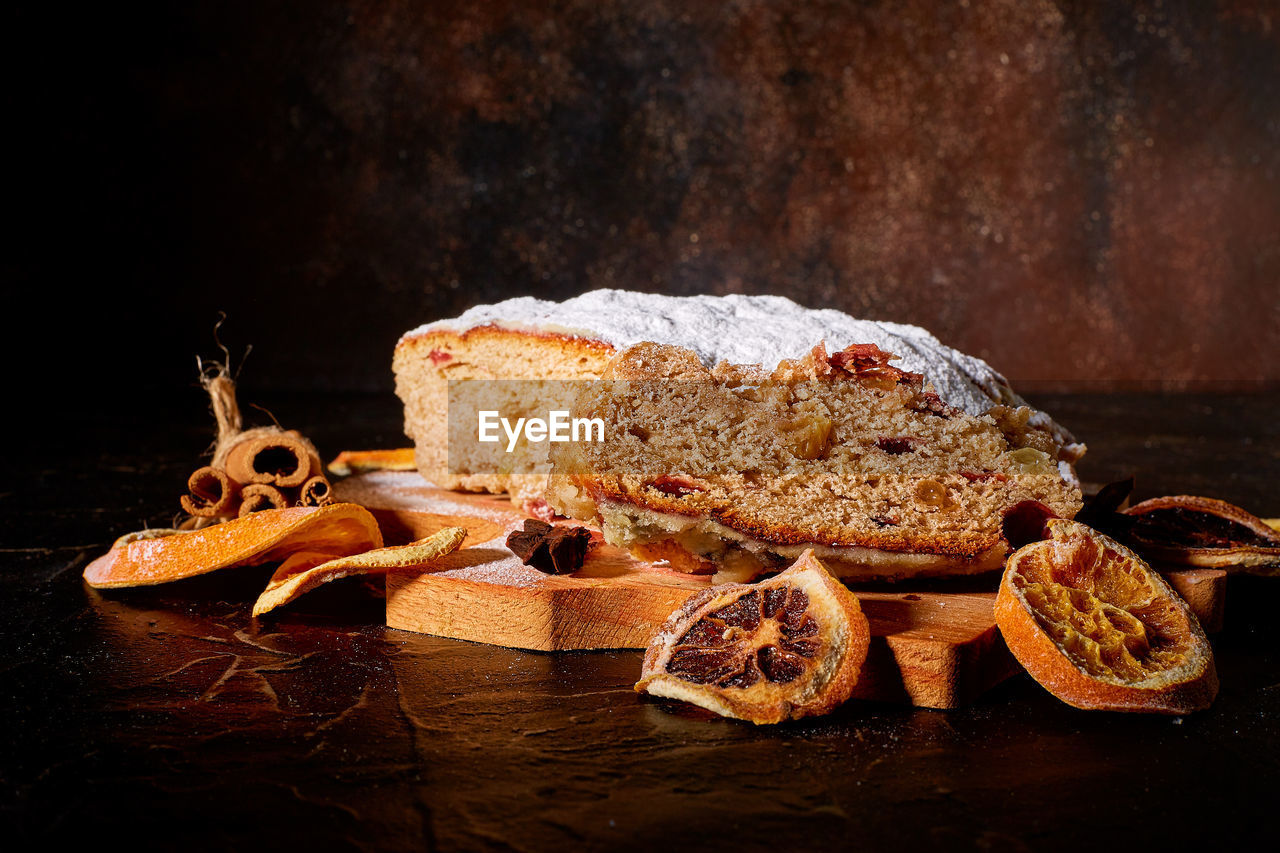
{"x":350,"y":462}
{"x":1092,"y":622}
{"x":1188,"y":530}
{"x":306,"y":570}
{"x":261,"y":537}
{"x":788,"y":647}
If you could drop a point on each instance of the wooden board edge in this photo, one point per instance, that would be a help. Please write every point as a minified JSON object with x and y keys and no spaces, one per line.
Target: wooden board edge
{"x":544,"y":620}
{"x":936,"y":674}
{"x":1205,"y":592}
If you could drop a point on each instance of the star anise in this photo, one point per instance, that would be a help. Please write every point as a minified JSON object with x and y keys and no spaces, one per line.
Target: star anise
{"x":549,"y":548}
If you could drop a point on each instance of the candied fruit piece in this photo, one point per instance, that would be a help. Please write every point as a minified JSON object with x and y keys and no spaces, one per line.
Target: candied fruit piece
{"x":931,"y":493}
{"x":930,"y":403}
{"x":896,"y":445}
{"x":1028,"y":460}
{"x":809,"y":436}
{"x":869,"y":362}
{"x":1017,"y":427}
{"x":879,"y":378}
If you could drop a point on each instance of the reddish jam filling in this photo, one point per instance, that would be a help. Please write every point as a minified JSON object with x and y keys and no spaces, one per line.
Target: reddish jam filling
{"x":677,"y":486}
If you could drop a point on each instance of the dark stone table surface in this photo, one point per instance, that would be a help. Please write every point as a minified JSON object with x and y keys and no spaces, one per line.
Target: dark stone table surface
{"x":168,"y":718}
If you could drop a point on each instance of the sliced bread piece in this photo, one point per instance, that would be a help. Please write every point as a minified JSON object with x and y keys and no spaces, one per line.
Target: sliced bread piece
{"x":534,"y":339}
{"x":738,"y":471}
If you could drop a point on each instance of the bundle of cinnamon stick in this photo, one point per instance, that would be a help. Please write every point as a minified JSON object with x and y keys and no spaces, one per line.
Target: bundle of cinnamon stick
{"x":255,"y":469}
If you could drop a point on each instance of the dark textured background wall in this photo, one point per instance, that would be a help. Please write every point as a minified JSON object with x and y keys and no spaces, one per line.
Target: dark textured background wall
{"x":1076,"y":191}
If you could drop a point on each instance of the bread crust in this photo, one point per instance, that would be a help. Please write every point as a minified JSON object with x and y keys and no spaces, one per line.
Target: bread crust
{"x":888,"y":539}
{"x":452,"y":337}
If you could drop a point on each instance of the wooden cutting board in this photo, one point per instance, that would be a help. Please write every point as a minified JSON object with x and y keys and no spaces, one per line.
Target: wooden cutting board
{"x":934,"y":648}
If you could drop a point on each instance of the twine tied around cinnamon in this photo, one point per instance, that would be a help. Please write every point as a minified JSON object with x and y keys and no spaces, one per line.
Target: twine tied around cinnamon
{"x":259,"y":468}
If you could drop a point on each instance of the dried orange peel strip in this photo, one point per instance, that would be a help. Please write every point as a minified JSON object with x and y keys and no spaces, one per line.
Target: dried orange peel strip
{"x":262,"y":537}
{"x":788,"y":647}
{"x":306,"y":570}
{"x":350,"y":462}
{"x":1099,"y":629}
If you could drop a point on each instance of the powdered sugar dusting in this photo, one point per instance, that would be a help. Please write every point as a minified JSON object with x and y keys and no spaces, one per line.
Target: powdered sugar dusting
{"x":408,"y":490}
{"x":500,"y":567}
{"x":743,"y":330}
{"x":486,"y":562}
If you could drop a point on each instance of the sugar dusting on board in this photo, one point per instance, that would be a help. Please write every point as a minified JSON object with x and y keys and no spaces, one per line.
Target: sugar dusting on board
{"x":500,"y":567}
{"x":492,"y":561}
{"x":486,"y":562}
{"x":406,"y":490}
{"x":743,"y":330}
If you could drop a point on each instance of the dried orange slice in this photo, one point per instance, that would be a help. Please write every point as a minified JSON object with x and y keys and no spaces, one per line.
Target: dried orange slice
{"x":350,"y":462}
{"x":306,"y":570}
{"x":1189,"y":530}
{"x":261,"y":537}
{"x":788,"y":647}
{"x":1099,"y":629}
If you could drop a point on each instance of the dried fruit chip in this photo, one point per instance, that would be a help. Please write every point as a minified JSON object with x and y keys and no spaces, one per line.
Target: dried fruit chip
{"x":257,"y":538}
{"x":1024,"y":523}
{"x":350,"y":462}
{"x":306,"y":570}
{"x":1187,"y":530}
{"x":1099,"y":629}
{"x":788,"y":647}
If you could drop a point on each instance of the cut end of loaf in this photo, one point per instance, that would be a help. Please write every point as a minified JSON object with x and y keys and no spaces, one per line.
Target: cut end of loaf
{"x":426,"y":362}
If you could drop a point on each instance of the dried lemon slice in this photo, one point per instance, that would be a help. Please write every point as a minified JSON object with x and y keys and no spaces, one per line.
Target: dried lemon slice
{"x":784,"y":648}
{"x":1099,"y":629}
